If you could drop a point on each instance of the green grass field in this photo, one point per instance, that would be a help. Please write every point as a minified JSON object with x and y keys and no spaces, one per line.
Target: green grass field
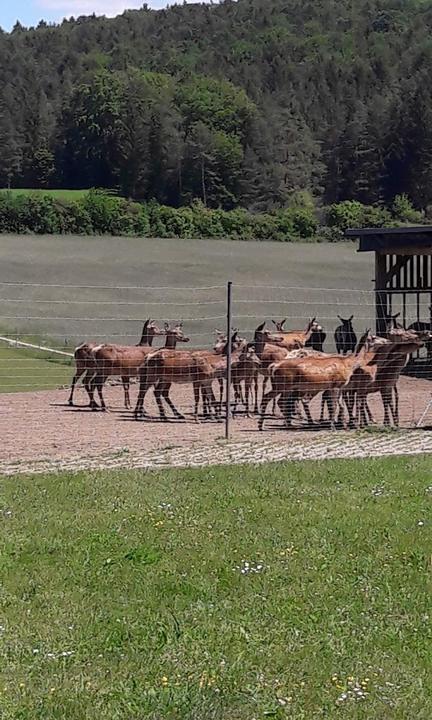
{"x":59,"y":194}
{"x":24,"y":370}
{"x":123,"y":595}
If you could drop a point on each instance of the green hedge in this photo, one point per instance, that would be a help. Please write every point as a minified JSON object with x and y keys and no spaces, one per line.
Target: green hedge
{"x":101,"y":213}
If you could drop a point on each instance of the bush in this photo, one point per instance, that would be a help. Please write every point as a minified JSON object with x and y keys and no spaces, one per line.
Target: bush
{"x":207,"y":223}
{"x":171,"y":222}
{"x":352,"y":214}
{"x":99,"y":212}
{"x":345,"y":214}
{"x":404,"y":210}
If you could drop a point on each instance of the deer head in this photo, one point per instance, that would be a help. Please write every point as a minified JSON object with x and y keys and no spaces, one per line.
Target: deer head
{"x":279,"y":325}
{"x":221,"y":341}
{"x":310,"y":325}
{"x":347,"y":322}
{"x":149,"y":331}
{"x":364,"y":341}
{"x":175,"y":335}
{"x":249,"y":355}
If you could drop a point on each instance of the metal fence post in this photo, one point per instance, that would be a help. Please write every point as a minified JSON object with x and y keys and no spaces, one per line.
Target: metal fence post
{"x":228,"y":374}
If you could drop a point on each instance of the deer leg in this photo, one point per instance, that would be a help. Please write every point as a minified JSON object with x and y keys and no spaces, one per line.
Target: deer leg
{"x":126,"y":386}
{"x":323,"y":406}
{"x":287,"y":404}
{"x":164,"y":389}
{"x":256,"y":388}
{"x":334,"y":394}
{"x":267,"y":397}
{"x":386,"y":396}
{"x":89,"y":387}
{"x":248,"y":391}
{"x":76,"y":377}
{"x":97,"y":382}
{"x":237,"y":396}
{"x":221,"y":393}
{"x":213,"y":402}
{"x":158,"y":397}
{"x":395,"y":406}
{"x":370,"y":417}
{"x":349,"y":397}
{"x":197,"y":388}
{"x":139,"y":407}
{"x":306,"y":408}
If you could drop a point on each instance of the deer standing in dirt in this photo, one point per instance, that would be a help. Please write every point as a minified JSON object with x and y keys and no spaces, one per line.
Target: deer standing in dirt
{"x":293,"y":339}
{"x":245,"y":371}
{"x":382,"y":375}
{"x":308,"y":376}
{"x":126,"y":360}
{"x":85,"y":361}
{"x":200,"y":368}
{"x":345,"y":337}
{"x":421,"y":326}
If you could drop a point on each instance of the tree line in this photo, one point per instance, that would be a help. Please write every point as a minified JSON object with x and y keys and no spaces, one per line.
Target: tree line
{"x":253,"y":104}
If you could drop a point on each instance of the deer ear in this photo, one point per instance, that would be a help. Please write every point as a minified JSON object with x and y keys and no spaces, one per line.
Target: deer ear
{"x":283,"y":322}
{"x":261,"y":327}
{"x":339,"y":317}
{"x":351,"y":318}
{"x":396,"y":316}
{"x":274,"y":323}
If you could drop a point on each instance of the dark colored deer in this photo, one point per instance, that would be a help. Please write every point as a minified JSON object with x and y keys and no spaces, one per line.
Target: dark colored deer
{"x":345,"y":337}
{"x":420,"y":326}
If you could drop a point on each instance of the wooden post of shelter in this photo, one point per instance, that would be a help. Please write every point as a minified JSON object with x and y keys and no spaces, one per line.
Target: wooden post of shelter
{"x":403,"y":271}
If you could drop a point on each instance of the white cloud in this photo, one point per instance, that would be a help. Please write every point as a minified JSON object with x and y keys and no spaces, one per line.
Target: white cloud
{"x":110,"y":8}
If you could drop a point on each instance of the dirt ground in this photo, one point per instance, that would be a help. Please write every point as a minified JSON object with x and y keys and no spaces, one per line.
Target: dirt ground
{"x":40,"y":426}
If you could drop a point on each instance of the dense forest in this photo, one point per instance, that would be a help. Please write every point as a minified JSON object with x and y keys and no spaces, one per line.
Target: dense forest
{"x":249,"y":103}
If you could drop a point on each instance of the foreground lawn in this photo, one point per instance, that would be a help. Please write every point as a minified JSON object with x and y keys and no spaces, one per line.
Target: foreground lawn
{"x":21,"y":371}
{"x":296,"y":590}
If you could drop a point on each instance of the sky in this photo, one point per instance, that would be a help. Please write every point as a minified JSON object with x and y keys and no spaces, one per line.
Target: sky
{"x":29,"y":12}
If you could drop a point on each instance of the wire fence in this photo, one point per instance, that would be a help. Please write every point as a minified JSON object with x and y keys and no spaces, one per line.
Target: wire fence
{"x":42,"y":324}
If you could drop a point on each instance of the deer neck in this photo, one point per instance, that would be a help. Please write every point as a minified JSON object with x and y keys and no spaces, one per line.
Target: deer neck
{"x":259,"y":343}
{"x":146,"y":339}
{"x":170,"y":342}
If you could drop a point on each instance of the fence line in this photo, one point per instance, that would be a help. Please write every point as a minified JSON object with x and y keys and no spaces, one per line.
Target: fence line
{"x":250,"y":304}
{"x":20,"y":343}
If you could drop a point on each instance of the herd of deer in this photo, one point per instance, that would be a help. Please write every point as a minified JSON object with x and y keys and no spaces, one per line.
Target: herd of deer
{"x":293,"y":366}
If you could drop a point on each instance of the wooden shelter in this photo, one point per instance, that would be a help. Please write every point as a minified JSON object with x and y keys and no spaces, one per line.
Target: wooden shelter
{"x":403,"y":271}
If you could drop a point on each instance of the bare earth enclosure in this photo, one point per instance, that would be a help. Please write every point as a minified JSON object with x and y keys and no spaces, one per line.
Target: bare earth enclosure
{"x":70,"y":290}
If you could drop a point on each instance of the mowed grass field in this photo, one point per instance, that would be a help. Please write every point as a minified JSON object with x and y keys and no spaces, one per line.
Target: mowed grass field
{"x":26,"y":370}
{"x":58,"y":194}
{"x":286,"y":591}
{"x":122,"y":281}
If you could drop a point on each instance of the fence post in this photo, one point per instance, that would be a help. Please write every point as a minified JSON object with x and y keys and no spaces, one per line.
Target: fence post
{"x":228,"y":374}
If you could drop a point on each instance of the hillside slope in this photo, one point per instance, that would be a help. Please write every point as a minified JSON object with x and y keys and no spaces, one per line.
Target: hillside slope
{"x":239,"y":103}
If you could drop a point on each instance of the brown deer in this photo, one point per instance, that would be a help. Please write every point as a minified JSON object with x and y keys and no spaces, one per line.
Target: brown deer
{"x":316,"y":339}
{"x":85,"y":360}
{"x":126,"y":360}
{"x":382,"y":375}
{"x":245,"y":371}
{"x":308,"y":376}
{"x":163,"y":368}
{"x":294,"y":339}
